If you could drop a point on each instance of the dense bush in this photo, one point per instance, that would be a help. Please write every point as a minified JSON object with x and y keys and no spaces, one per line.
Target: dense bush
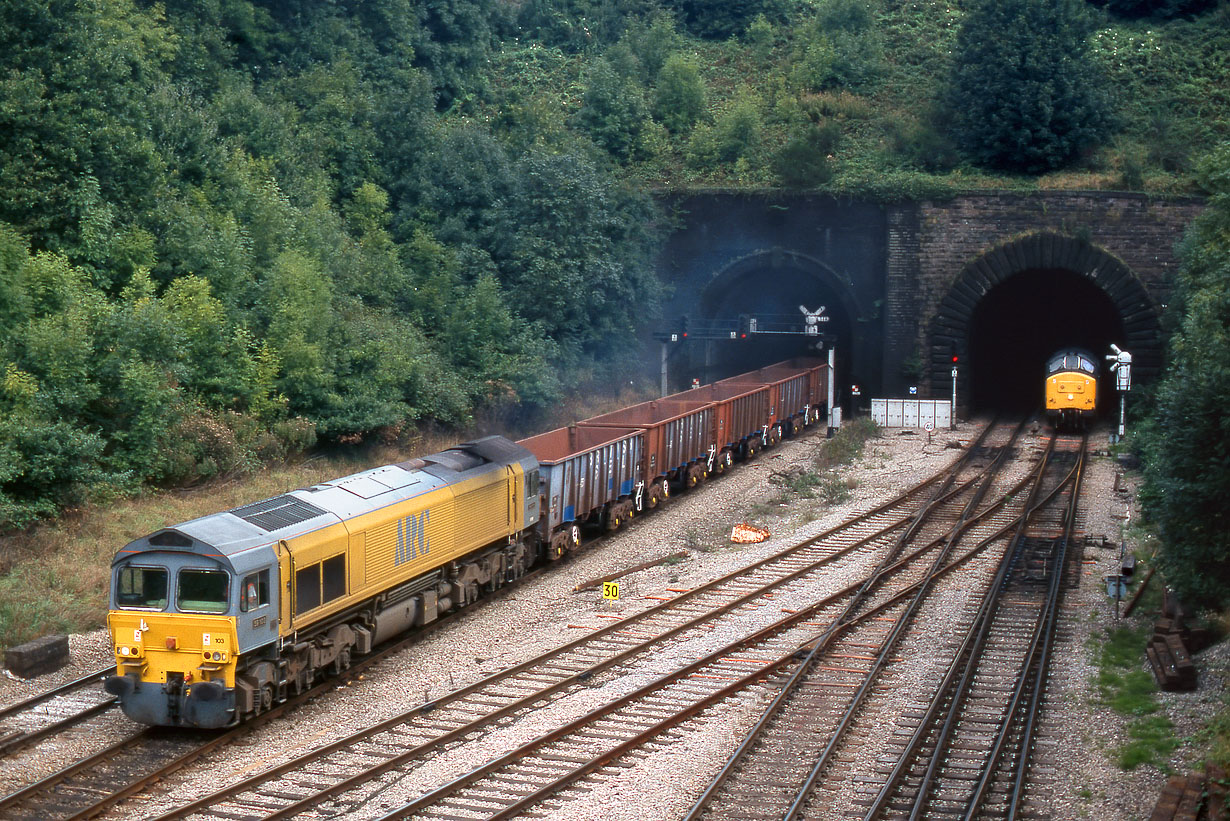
{"x":1024,"y":95}
{"x":1187,"y":447}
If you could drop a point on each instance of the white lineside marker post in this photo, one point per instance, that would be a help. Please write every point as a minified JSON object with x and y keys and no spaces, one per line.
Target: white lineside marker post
{"x":832,"y":384}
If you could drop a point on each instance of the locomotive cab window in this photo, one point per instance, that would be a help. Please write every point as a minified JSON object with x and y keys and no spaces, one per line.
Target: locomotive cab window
{"x":531,"y":484}
{"x":254,"y":593}
{"x":143,"y":588}
{"x":203,"y":591}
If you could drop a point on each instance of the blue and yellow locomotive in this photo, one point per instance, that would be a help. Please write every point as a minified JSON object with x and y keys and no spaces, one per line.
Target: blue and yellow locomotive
{"x":1072,"y":388}
{"x":216,"y":619}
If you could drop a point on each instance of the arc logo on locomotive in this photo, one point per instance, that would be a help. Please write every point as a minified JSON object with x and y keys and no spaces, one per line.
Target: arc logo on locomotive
{"x":412,"y":538}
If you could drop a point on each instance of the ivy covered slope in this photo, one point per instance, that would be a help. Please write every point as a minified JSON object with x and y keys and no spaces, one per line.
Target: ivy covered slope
{"x":230,"y":229}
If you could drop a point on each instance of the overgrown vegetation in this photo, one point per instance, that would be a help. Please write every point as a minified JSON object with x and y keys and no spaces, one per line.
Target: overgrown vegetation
{"x":231,"y":229}
{"x":1187,"y":442}
{"x":824,"y":480}
{"x":1131,"y":692}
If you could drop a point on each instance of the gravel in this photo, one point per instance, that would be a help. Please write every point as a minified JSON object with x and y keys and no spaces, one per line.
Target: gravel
{"x":663,"y":781}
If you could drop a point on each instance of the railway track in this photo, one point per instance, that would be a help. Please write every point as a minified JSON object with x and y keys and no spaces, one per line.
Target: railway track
{"x":820,"y":750}
{"x":53,"y":711}
{"x":132,"y":757}
{"x":673,"y":645}
{"x":970,"y":755}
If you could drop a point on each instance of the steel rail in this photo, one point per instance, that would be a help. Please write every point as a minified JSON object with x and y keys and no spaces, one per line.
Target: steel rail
{"x":768,"y":714}
{"x":339,"y":745}
{"x":1035,"y":706}
{"x":970,"y":648}
{"x":461,"y":782}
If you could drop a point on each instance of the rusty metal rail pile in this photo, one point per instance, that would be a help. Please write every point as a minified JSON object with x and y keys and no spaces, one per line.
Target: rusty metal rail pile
{"x":576,"y":741}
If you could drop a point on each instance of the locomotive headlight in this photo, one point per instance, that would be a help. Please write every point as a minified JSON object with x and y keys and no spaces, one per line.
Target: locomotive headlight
{"x":124,"y":651}
{"x":1070,"y":397}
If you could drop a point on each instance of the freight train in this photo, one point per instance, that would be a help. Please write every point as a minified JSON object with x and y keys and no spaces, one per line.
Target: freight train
{"x":217,"y":619}
{"x":1071,"y":387}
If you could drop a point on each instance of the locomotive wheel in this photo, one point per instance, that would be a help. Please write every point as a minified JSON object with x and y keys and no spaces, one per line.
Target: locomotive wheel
{"x":265,"y":700}
{"x":342,"y":663}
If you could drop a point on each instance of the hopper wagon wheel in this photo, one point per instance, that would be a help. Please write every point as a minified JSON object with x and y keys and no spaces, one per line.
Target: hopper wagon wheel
{"x":750,"y":448}
{"x":614,"y":518}
{"x":775,"y":434}
{"x":653,"y":497}
{"x":574,"y":535}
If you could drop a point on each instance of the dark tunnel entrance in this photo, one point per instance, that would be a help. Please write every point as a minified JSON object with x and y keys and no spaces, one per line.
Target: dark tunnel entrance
{"x":1025,"y":319}
{"x":774,"y":298}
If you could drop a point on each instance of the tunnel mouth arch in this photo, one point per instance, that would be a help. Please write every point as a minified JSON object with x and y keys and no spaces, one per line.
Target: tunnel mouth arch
{"x":1047,"y":289}
{"x":1021,"y":323}
{"x":774,"y":284}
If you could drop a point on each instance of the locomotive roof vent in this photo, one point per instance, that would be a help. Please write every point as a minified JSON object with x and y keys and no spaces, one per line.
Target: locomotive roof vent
{"x":277,"y":513}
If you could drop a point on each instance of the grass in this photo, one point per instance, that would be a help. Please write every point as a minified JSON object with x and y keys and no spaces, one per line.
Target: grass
{"x":1131,"y":692}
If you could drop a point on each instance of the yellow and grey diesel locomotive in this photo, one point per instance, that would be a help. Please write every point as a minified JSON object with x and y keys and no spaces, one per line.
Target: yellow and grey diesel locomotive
{"x":217,"y":619}
{"x":1071,"y":388}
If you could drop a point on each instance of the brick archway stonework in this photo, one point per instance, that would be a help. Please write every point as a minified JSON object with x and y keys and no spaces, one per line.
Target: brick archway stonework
{"x":1044,"y":250}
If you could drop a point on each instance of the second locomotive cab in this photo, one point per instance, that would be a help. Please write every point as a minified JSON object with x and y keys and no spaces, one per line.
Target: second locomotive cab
{"x":1072,"y":388}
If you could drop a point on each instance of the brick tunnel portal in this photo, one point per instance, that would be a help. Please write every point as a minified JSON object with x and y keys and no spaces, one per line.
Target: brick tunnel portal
{"x":1020,"y":322}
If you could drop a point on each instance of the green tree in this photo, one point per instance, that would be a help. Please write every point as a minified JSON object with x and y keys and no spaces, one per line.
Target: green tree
{"x":735,"y":135}
{"x":679,"y":98}
{"x":613,"y":111}
{"x":1024,"y":95}
{"x":806,"y":160}
{"x":1187,"y":448}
